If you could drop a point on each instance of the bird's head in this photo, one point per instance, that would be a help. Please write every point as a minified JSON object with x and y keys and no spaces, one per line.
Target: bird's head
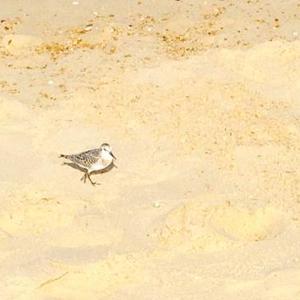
{"x":106,"y":151}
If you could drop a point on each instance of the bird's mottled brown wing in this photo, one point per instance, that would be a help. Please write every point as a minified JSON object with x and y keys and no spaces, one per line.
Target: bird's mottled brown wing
{"x":84,"y":159}
{"x":93,"y":152}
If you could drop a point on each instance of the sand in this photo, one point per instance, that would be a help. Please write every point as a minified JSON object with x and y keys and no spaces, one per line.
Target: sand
{"x":200,"y":102}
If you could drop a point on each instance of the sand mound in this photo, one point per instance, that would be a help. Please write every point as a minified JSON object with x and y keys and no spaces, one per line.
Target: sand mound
{"x":105,"y":277}
{"x":12,"y":110}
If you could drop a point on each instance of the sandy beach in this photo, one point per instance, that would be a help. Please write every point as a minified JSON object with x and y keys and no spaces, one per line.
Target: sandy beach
{"x":200,"y":101}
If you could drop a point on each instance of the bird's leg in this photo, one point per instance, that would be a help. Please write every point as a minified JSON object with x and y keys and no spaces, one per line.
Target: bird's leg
{"x":88,"y":176}
{"x":83,"y":178}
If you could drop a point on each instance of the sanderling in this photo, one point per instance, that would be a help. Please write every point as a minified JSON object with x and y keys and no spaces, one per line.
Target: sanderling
{"x":100,"y":159}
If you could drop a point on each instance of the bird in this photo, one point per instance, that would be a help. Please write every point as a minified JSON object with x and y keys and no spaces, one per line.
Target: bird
{"x":99,"y":159}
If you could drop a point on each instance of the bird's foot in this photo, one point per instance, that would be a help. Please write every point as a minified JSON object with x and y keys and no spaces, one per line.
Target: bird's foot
{"x":91,"y":181}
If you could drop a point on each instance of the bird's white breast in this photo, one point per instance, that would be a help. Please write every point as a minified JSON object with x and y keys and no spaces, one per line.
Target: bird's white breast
{"x":100,"y":165}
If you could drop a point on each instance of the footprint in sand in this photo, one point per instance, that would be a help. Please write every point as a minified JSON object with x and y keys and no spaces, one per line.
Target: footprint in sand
{"x":192,"y":226}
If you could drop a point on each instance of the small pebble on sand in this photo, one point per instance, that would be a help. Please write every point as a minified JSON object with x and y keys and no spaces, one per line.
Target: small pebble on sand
{"x":156,"y":204}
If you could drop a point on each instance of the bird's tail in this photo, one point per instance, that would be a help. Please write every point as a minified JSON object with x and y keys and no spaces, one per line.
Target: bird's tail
{"x":64,"y":156}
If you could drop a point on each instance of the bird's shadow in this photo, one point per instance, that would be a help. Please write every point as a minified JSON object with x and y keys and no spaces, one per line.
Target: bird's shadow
{"x":74,"y":166}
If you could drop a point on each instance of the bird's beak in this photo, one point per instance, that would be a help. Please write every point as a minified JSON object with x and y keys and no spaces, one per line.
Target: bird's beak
{"x":112,"y":155}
